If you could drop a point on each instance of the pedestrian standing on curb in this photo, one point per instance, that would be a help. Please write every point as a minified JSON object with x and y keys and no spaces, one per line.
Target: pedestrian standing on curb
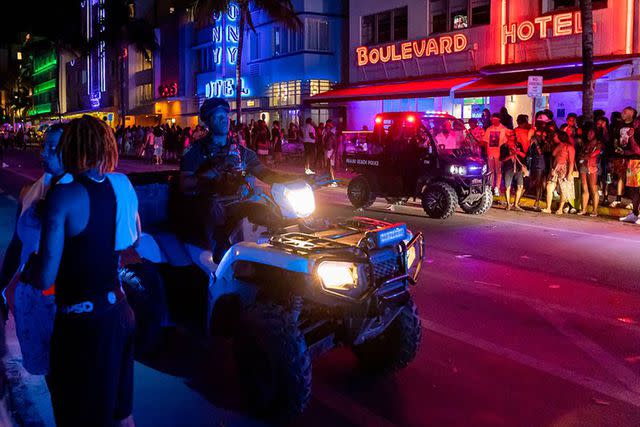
{"x":330,"y":144}
{"x":561,"y":175}
{"x":485,"y":118}
{"x":632,"y":155}
{"x":622,"y":136}
{"x":589,"y":165}
{"x":276,"y":136}
{"x":475,"y":138}
{"x":309,"y":139}
{"x":495,"y":136}
{"x":512,"y":156}
{"x":91,"y":369}
{"x":523,"y":131}
{"x":536,"y":161}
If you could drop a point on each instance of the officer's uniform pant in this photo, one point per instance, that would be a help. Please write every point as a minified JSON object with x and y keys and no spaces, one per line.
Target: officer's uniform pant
{"x":91,"y":373}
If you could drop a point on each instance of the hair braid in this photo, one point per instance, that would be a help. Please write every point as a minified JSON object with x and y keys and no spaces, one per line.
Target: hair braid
{"x":88,"y":143}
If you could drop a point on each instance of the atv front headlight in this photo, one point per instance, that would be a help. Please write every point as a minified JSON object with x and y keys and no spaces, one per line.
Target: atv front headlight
{"x":458,"y":170}
{"x":338,"y":276}
{"x":295,"y":199}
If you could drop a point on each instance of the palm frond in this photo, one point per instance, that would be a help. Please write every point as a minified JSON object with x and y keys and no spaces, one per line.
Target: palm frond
{"x":281,"y":11}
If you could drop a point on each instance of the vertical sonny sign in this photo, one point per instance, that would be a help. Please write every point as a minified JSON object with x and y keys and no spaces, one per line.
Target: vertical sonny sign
{"x":225,"y":34}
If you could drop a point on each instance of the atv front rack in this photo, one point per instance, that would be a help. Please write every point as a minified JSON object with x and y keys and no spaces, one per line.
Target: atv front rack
{"x":305,"y":244}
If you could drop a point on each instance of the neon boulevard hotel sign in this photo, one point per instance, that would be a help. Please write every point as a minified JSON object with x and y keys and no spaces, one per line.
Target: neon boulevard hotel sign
{"x":561,"y":24}
{"x":413,"y":49}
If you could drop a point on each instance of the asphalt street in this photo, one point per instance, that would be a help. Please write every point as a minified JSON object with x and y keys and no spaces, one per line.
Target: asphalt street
{"x":529,"y":320}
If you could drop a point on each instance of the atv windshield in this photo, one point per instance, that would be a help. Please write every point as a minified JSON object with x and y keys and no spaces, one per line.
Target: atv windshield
{"x":447,"y":133}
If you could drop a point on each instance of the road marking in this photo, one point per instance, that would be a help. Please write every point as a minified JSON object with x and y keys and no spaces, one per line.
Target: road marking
{"x":508,"y":294}
{"x":355,"y":412}
{"x":606,"y":360}
{"x":487,"y":218}
{"x":495,"y":285}
{"x":604,"y":388}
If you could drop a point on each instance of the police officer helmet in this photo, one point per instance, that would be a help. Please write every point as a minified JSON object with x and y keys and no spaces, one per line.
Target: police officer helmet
{"x":210,"y":104}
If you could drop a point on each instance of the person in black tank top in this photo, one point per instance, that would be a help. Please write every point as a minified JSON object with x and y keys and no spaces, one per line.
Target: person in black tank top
{"x":91,"y":369}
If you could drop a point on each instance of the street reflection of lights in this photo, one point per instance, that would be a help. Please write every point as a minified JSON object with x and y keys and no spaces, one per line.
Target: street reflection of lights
{"x":627,"y":320}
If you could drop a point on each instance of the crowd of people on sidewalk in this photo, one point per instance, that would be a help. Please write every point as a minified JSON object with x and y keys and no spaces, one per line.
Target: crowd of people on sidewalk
{"x":579,"y":162}
{"x":319,"y":144}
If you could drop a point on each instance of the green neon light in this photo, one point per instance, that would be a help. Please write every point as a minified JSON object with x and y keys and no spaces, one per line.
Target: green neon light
{"x":44,"y":87}
{"x":39,"y":109}
{"x":45,"y":67}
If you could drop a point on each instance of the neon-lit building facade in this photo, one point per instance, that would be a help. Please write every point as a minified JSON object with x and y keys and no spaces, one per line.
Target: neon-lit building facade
{"x":90,"y":84}
{"x":461,"y":56}
{"x":281,"y":68}
{"x":45,"y":84}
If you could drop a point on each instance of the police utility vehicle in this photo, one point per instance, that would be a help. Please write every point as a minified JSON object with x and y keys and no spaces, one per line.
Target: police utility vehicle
{"x":429,"y":156}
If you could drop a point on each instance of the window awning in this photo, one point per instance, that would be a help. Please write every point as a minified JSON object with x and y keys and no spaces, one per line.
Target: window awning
{"x":411,"y":89}
{"x":556,"y":80}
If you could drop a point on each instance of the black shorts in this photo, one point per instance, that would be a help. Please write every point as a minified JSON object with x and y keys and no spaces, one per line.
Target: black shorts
{"x":509,"y":175}
{"x":91,"y":372}
{"x":309,"y":149}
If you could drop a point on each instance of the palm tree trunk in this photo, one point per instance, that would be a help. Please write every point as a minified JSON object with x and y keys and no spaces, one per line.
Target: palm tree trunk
{"x":588,"y":84}
{"x":244,"y":9}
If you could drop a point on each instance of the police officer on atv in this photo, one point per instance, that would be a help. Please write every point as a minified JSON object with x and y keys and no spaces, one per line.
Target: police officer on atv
{"x":215,"y":174}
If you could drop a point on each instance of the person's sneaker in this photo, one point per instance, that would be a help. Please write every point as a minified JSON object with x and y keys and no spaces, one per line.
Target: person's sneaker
{"x":334,"y":185}
{"x":629,"y":206}
{"x":496,"y":191}
{"x":615,"y":204}
{"x":632,"y":218}
{"x":566,"y":209}
{"x":638,"y":221}
{"x":309,"y":172}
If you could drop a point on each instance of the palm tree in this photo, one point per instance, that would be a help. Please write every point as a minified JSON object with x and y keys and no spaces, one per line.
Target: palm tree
{"x":588,"y":84}
{"x":281,"y":11}
{"x":117,"y":30}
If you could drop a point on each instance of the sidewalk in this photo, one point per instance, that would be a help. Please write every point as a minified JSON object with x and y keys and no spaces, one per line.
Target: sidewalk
{"x":26,"y":166}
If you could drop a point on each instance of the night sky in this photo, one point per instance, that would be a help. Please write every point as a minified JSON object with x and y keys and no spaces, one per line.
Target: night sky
{"x":50,"y":18}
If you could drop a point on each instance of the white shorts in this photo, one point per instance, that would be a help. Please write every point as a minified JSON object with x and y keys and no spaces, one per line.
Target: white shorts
{"x":329,"y":155}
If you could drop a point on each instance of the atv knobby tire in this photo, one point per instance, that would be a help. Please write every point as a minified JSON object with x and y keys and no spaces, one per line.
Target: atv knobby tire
{"x":396,"y":347}
{"x":439,"y":200}
{"x":144,"y":287}
{"x":480,"y":206}
{"x":360,"y":192}
{"x":273,"y":362}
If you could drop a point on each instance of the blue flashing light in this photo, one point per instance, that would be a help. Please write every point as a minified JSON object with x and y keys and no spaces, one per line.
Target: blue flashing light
{"x":388,"y":236}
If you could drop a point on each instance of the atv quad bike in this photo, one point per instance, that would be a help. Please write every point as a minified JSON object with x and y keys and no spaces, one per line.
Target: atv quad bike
{"x":285,"y":292}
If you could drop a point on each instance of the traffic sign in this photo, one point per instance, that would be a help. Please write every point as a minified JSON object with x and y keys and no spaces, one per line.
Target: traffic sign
{"x":534,"y":87}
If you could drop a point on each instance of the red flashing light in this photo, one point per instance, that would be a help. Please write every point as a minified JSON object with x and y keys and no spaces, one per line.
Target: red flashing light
{"x":411,"y":119}
{"x":378,"y":120}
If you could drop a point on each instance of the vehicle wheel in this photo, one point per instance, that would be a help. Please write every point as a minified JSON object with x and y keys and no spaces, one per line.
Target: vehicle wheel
{"x":480,"y":206}
{"x":144,"y":287}
{"x":273,"y":362}
{"x":360,"y":193}
{"x":396,"y":347}
{"x":439,"y":200}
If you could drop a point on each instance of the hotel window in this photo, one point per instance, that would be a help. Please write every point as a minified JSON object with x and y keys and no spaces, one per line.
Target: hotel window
{"x":143,"y":63}
{"x":285,"y":93}
{"x":277,"y":41}
{"x":451,"y":15}
{"x":144,"y":93}
{"x":254,"y":46}
{"x":383,"y":27}
{"x":318,"y":86}
{"x":316,"y":34}
{"x":553,"y":5}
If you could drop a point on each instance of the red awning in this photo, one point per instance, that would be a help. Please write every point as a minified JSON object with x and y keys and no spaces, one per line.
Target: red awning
{"x":411,"y":89}
{"x":558,"y":80}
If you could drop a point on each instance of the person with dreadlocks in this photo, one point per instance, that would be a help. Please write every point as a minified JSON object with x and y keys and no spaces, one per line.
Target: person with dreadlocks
{"x":91,"y":361}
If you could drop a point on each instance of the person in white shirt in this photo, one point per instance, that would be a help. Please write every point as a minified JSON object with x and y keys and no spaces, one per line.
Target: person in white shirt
{"x":309,"y":140}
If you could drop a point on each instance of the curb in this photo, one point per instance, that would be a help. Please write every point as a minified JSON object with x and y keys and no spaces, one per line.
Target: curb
{"x":604,"y":211}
